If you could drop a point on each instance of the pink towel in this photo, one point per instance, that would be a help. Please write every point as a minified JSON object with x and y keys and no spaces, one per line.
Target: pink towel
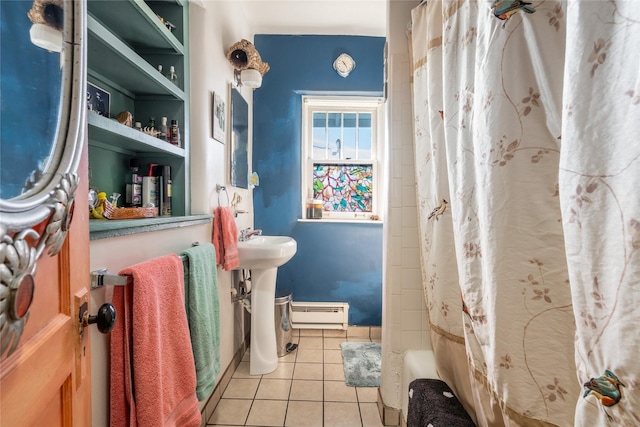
{"x":153,"y":377}
{"x":225,"y":238}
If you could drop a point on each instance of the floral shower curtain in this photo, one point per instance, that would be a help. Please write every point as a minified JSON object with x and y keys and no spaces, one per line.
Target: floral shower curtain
{"x":527,"y":136}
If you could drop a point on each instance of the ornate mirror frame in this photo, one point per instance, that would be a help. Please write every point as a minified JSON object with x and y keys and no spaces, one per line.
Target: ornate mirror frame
{"x":40,"y":218}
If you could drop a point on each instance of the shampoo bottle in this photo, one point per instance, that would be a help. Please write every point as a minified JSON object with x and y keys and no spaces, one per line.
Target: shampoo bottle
{"x":133,"y":193}
{"x":150,"y":187}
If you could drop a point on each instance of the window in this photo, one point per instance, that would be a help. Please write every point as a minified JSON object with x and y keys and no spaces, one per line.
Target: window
{"x":341,"y":160}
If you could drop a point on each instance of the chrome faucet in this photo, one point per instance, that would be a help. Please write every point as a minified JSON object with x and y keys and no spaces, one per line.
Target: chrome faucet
{"x":248,"y":233}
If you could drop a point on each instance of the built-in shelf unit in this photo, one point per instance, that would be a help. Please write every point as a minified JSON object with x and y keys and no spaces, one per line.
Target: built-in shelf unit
{"x":127,"y":41}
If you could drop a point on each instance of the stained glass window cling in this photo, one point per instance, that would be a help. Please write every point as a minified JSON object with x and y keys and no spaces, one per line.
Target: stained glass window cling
{"x":344,"y":188}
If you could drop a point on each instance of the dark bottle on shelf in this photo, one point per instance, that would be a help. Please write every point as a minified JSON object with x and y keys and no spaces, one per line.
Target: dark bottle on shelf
{"x":133,"y":193}
{"x":174,"y":133}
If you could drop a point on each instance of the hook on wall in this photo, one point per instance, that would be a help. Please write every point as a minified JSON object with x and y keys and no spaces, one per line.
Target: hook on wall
{"x":219,"y":190}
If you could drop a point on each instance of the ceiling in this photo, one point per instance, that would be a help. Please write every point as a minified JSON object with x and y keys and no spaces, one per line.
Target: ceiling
{"x":336,"y":17}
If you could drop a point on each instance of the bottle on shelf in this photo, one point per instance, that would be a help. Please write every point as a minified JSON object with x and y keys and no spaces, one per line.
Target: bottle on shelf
{"x":164,"y":189}
{"x":172,"y":75}
{"x":160,"y":69}
{"x":150,"y":187}
{"x":164,"y":130}
{"x":174,"y":133}
{"x":133,"y":193}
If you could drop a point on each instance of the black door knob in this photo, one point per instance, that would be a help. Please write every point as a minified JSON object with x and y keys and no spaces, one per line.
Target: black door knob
{"x":105,"y":319}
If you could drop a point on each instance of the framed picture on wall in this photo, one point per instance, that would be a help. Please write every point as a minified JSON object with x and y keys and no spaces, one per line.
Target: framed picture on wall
{"x":219,"y":118}
{"x":98,"y":100}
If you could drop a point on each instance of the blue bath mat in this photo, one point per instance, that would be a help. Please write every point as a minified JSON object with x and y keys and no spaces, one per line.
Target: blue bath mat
{"x":362,"y":362}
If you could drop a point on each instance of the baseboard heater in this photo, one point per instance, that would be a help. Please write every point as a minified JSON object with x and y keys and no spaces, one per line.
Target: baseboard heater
{"x":319,"y":315}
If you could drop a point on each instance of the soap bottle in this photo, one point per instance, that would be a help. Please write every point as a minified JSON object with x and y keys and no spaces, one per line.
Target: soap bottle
{"x":174,"y":133}
{"x":150,"y":187}
{"x":133,"y":193}
{"x":163,"y":130}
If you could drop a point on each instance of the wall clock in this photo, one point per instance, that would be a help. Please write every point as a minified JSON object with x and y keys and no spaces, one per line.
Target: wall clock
{"x":344,"y":64}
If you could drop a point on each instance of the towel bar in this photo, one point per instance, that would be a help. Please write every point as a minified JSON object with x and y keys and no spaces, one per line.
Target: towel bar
{"x":102,"y":277}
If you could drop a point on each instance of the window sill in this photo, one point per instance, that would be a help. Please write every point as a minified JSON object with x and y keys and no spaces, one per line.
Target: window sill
{"x":341,"y":221}
{"x":104,"y":229}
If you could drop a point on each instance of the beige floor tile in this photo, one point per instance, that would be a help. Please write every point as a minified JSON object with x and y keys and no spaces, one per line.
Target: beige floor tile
{"x":335,"y":333}
{"x":308,"y":371}
{"x":283,"y":371}
{"x":306,"y":390}
{"x":309,"y":355}
{"x":310,"y":342}
{"x":338,"y":391}
{"x":231,"y":411}
{"x":273,"y":389}
{"x":295,"y":332}
{"x":310,"y":332}
{"x":333,"y":343}
{"x":304,"y":414}
{"x":267,"y":413}
{"x":345,"y":414}
{"x":367,"y":394}
{"x":333,"y":356}
{"x":241,"y":388}
{"x":334,"y":372}
{"x":289,"y":357}
{"x":370,"y":415}
{"x":242,"y":371}
{"x":246,"y":356}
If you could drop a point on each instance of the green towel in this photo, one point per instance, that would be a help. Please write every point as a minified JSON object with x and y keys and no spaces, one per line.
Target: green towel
{"x":203,"y":313}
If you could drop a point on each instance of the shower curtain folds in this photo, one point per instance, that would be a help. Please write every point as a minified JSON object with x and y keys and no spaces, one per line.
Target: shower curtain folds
{"x":528,"y":128}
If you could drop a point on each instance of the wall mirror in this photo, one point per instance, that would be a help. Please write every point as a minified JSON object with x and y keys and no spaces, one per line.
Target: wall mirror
{"x":239,"y":140}
{"x":43,"y":111}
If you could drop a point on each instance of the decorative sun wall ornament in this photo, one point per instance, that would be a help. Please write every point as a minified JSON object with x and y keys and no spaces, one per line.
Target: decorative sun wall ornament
{"x":254,"y":180}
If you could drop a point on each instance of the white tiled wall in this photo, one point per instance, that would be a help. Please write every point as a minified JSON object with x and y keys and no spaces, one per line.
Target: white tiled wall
{"x":405,"y":324}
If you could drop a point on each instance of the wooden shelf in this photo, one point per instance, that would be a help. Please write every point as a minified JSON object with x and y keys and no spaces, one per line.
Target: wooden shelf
{"x":136,"y":24}
{"x":109,"y":134}
{"x":104,"y":228}
{"x":114,"y":60}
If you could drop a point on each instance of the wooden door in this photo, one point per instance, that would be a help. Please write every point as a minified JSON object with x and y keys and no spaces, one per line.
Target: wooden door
{"x":46,"y":381}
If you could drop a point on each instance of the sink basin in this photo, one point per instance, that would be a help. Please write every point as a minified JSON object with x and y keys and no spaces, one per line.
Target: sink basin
{"x":261,"y":252}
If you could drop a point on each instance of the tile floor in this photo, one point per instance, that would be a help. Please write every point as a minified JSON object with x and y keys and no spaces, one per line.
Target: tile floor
{"x":307,"y":388}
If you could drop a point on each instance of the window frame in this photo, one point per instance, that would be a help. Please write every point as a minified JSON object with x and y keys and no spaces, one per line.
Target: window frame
{"x":343,"y":104}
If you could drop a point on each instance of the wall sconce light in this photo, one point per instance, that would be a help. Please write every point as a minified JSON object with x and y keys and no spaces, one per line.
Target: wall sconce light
{"x":250,"y":78}
{"x":47,"y":17}
{"x":249,"y":67}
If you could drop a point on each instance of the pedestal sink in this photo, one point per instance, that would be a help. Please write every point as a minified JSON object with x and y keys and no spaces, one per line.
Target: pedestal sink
{"x":263,"y":255}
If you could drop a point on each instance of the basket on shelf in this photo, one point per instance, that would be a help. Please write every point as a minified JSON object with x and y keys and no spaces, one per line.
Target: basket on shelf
{"x":128,"y":213}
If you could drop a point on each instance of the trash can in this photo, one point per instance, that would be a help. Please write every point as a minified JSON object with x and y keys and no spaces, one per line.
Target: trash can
{"x":282,"y":318}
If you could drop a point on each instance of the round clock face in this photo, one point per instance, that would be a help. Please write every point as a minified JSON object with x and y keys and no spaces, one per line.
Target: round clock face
{"x":344,"y":64}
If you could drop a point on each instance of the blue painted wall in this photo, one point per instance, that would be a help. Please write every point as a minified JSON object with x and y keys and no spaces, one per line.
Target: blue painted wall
{"x":335,"y":261}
